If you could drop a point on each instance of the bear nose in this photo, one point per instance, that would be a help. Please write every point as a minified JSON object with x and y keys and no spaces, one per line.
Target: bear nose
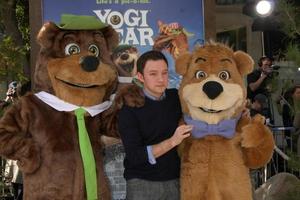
{"x":89,"y":63}
{"x":124,"y":56}
{"x":212,"y":89}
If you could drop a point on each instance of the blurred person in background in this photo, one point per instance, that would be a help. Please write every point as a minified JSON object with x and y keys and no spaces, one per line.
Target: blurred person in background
{"x":11,"y":96}
{"x":12,"y":173}
{"x":259,"y":104}
{"x":257,"y":80}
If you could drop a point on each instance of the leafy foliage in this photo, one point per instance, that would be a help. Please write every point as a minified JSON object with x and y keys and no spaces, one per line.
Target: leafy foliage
{"x":294,"y":162}
{"x":289,"y":15}
{"x":22,"y":15}
{"x":293,"y":53}
{"x":290,"y":20}
{"x":11,"y":59}
{"x":14,"y":40}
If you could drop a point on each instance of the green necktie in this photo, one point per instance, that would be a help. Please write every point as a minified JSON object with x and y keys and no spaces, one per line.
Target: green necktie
{"x":89,"y":164}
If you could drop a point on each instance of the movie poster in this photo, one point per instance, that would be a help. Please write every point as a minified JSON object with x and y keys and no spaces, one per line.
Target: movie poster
{"x":168,"y":25}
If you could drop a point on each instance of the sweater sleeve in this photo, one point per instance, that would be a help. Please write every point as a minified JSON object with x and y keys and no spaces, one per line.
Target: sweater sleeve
{"x":135,"y":149}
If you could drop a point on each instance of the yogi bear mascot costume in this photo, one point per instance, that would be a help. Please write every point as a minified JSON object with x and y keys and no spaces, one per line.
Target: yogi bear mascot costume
{"x":54,"y":133}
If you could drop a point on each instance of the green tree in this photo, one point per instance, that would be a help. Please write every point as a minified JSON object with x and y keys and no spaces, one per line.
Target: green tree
{"x":289,"y":16}
{"x":14,"y":44}
{"x":14,"y":50}
{"x":11,"y":59}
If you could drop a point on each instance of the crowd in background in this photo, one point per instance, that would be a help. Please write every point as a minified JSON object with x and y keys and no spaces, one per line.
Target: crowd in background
{"x":11,"y":175}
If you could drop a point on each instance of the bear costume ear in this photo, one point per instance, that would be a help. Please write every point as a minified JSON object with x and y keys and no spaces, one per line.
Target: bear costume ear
{"x":111,"y":36}
{"x":244,"y":62}
{"x":182,"y":63}
{"x":47,"y":34}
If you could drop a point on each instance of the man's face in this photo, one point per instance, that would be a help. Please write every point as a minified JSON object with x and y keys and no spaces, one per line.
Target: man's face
{"x":257,"y":106}
{"x":266,"y":64}
{"x":155,"y":77}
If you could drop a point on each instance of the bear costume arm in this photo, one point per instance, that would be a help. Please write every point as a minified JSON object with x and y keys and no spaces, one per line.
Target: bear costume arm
{"x":130,"y":95}
{"x":257,"y":143}
{"x":15,"y":142}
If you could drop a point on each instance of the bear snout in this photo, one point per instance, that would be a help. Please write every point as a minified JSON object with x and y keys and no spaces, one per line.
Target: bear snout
{"x":89,"y":63}
{"x":212,"y":89}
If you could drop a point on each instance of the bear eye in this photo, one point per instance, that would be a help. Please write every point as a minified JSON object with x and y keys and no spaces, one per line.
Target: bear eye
{"x":224,"y":75}
{"x":72,"y":49}
{"x":94,"y":50}
{"x":200,"y":74}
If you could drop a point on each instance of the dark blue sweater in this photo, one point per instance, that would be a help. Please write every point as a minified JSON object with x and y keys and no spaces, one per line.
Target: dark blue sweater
{"x":149,"y":125}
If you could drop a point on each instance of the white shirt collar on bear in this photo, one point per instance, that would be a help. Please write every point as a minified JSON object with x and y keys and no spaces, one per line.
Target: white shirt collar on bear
{"x":61,"y":105}
{"x":124,"y":79}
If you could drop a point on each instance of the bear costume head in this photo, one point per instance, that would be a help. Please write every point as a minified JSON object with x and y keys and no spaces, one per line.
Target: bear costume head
{"x":84,"y":50}
{"x":223,"y":145}
{"x":216,"y":73}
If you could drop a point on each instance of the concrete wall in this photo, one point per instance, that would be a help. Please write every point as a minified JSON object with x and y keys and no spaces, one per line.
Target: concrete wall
{"x":230,"y":17}
{"x":209,"y":19}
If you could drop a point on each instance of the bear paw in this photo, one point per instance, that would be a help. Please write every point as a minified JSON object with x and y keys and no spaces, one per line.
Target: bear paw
{"x":130,"y":95}
{"x":255,"y":132}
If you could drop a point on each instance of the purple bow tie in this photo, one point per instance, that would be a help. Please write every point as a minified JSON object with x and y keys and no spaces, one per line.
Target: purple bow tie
{"x":225,"y":128}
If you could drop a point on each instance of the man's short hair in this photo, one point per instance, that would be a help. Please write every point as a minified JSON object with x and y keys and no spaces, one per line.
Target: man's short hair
{"x":149,"y":55}
{"x":262,"y":99}
{"x":263,"y":58}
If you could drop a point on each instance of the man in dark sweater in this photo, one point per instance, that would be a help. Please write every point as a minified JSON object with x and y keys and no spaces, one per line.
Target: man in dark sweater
{"x":151,"y":133}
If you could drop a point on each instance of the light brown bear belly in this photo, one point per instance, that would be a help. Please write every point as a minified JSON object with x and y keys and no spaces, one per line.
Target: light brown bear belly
{"x":211,"y":169}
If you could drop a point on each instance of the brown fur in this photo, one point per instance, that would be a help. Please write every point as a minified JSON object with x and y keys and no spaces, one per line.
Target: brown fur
{"x":213,"y":167}
{"x":44,"y":140}
{"x":129,"y":94}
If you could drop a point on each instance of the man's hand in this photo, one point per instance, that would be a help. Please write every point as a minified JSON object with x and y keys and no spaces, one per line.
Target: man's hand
{"x":267,"y":71}
{"x":263,"y":75}
{"x":180,"y":134}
